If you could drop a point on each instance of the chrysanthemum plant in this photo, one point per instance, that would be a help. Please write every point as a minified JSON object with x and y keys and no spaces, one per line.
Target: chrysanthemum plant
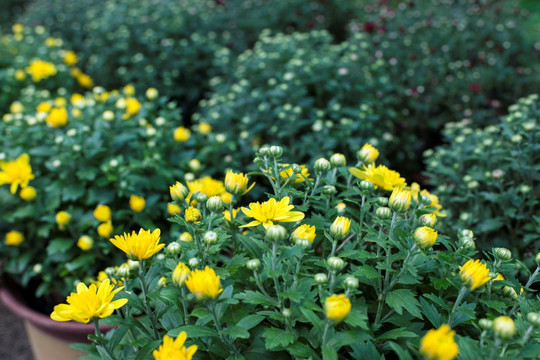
{"x":327,"y":266}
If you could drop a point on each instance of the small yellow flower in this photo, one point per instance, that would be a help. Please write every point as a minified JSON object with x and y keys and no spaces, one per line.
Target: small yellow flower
{"x":85,"y":80}
{"x":337,"y":307}
{"x":16,"y":107}
{"x":17,"y":28}
{"x":305,"y":231}
{"x":14,"y":238}
{"x":434,"y":203}
{"x":132,"y":107}
{"x":20,"y":75}
{"x":137,"y":203}
{"x":474,"y":274}
{"x":193,"y":215}
{"x":85,"y":243}
{"x":181,"y":134}
{"x":439,"y":344}
{"x":174,"y":349}
{"x":57,"y":117}
{"x":380,"y":176}
{"x":226,"y":197}
{"x":499,"y":277}
{"x":185,"y":236}
{"x":129,"y":90}
{"x":105,"y":229}
{"x":271,"y":212}
{"x":28,"y":193}
{"x":89,"y":303}
{"x":62,"y":218}
{"x":51,"y":42}
{"x":70,"y":58}
{"x":400,"y":200}
{"x":151,"y":93}
{"x":367,"y":153}
{"x":206,"y":185}
{"x":178,"y":192}
{"x":40,"y":70}
{"x":504,"y":327}
{"x":180,"y":274}
{"x":227,"y":214}
{"x":102,"y":213}
{"x":16,"y":173}
{"x":425,"y":237}
{"x":173,"y":209}
{"x":204,"y":284}
{"x":139,"y":246}
{"x":341,"y":208}
{"x":204,"y":128}
{"x":299,"y":177}
{"x":237,"y":183}
{"x":76,"y":99}
{"x":340,"y":227}
{"x":44,"y":107}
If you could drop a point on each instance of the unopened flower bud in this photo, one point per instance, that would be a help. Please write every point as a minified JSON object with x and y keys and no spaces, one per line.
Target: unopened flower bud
{"x":426,"y":201}
{"x":193,"y":262}
{"x":303,"y":243}
{"x":382,"y":201}
{"x":383,"y":213}
{"x":162,"y":282}
{"x":465,"y":233}
{"x":214,"y":204}
{"x":200,"y":197}
{"x":367,"y":154}
{"x":468,"y":243}
{"x":400,"y":200}
{"x":329,"y":190}
{"x":367,"y":185}
{"x":534,"y":319}
{"x":510,"y":292}
{"x":123,"y":270}
{"x":264,"y":151}
{"x":351,"y":282}
{"x":210,"y":238}
{"x":178,"y":192}
{"x":428,"y":220}
{"x":537,"y":259}
{"x":335,"y":263}
{"x":286,"y":313}
{"x":338,"y":160}
{"x":321,"y":278}
{"x":502,"y":253}
{"x":160,"y":257}
{"x":276,"y":151}
{"x":296,"y":169}
{"x":504,"y":327}
{"x":37,"y":268}
{"x":133,"y":265}
{"x":276,"y":233}
{"x":321,"y":166}
{"x":341,"y":208}
{"x":110,"y":271}
{"x":173,"y":248}
{"x":186,"y":237}
{"x":253,"y":264}
{"x":485,"y":324}
{"x":425,"y":237}
{"x":340,"y":227}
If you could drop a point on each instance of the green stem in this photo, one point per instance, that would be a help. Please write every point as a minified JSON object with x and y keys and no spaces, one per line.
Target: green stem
{"x":495,"y":348}
{"x":325,"y":332}
{"x":184,"y":306}
{"x":144,"y":288}
{"x":219,"y":329}
{"x":102,"y":339}
{"x":461,"y":294}
{"x":276,"y":283}
{"x":361,"y":219}
{"x":529,"y":283}
{"x":297,"y":271}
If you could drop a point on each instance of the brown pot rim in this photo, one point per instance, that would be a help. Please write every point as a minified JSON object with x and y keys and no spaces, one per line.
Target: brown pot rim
{"x":70,"y":330}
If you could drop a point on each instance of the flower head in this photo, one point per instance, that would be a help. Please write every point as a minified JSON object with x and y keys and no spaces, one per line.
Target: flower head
{"x":180,"y":274}
{"x":439,"y":344}
{"x":298,"y":177}
{"x":62,"y":218}
{"x":504,"y":327}
{"x":174,"y":349}
{"x":57,"y":117}
{"x":70,"y":58}
{"x":102,"y":213}
{"x":137,"y":203}
{"x":28,"y":193}
{"x":85,"y":243}
{"x":181,"y":134}
{"x":105,"y":229}
{"x":132,"y":107}
{"x":367,"y":153}
{"x":204,"y":128}
{"x":340,"y":227}
{"x":204,"y":284}
{"x":380,"y":176}
{"x":178,"y":192}
{"x":89,"y":303}
{"x":304,"y":232}
{"x":237,"y":183}
{"x":400,"y":200}
{"x":14,"y":238}
{"x":205,"y":185}
{"x":425,"y":237}
{"x":270,"y":212}
{"x":337,"y":307}
{"x":474,"y":274}
{"x":15,"y":173}
{"x":40,"y":69}
{"x":193,"y":215}
{"x":139,"y":246}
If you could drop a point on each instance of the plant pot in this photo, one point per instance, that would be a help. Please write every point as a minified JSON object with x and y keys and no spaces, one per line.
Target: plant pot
{"x":49,"y":339}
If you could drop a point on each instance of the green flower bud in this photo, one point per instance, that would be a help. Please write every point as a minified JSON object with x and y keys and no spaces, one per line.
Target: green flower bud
{"x":110,"y":271}
{"x":178,"y":192}
{"x":426,"y":201}
{"x":504,"y":327}
{"x":322,"y":165}
{"x":276,"y":151}
{"x":428,"y":220}
{"x":123,"y":270}
{"x":382,"y":201}
{"x":465,"y":233}
{"x":37,"y":268}
{"x":383,"y":213}
{"x":486,"y":324}
{"x":329,"y":190}
{"x":510,"y":292}
{"x":338,"y":160}
{"x":276,"y":233}
{"x":287,"y":313}
{"x":335,"y":263}
{"x":537,"y":259}
{"x":502,"y":253}
{"x":425,"y":237}
{"x":468,"y":243}
{"x":162,"y":282}
{"x":253,"y":264}
{"x":200,"y":197}
{"x":321,"y":278}
{"x":214,"y":204}
{"x":160,"y":256}
{"x":296,"y":169}
{"x":193,"y":263}
{"x":303,"y":243}
{"x":210,"y":238}
{"x":264,"y":151}
{"x":173,"y":248}
{"x":351,"y":282}
{"x":534,"y":319}
{"x":367,"y":185}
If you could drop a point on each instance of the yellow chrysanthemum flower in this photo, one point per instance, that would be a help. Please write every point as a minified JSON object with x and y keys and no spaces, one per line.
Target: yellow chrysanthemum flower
{"x":137,"y":203}
{"x":40,"y":69}
{"x":340,"y":227}
{"x":105,"y":229}
{"x":84,"y":80}
{"x":367,"y":153}
{"x":204,"y":284}
{"x":70,"y":58}
{"x":139,"y":246}
{"x":337,"y":307}
{"x":434,"y":203}
{"x":62,"y":218}
{"x":400,"y":200}
{"x":16,"y":107}
{"x":14,"y":238}
{"x":300,"y":177}
{"x":439,"y":344}
{"x":192,"y":215}
{"x":237,"y":183}
{"x":425,"y":237}
{"x":304,"y":231}
{"x":380,"y":176}
{"x":204,"y":128}
{"x":57,"y":117}
{"x":16,"y":173}
{"x":28,"y":193}
{"x":85,"y":243}
{"x":180,"y":274}
{"x":206,"y":185}
{"x":129,"y":90}
{"x":76,"y":99}
{"x":174,"y":349}
{"x":132,"y":107}
{"x":89,"y":303}
{"x":173,"y":209}
{"x":44,"y":107}
{"x":181,"y":134}
{"x":474,"y":274}
{"x":102,"y":213}
{"x":271,"y":212}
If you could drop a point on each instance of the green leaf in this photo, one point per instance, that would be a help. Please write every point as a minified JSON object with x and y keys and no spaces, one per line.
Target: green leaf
{"x":194,"y":331}
{"x":236,"y":332}
{"x":356,"y":318}
{"x":59,"y":246}
{"x":367,"y":271}
{"x":490,"y":224}
{"x":277,"y":337}
{"x":103,"y":353}
{"x":143,"y":352}
{"x":400,"y":352}
{"x":344,"y":338}
{"x":329,"y":353}
{"x":256,"y":298}
{"x":396,"y":334}
{"x":403,"y":298}
{"x":250,"y":321}
{"x":430,"y":312}
{"x":313,"y":318}
{"x":118,"y":335}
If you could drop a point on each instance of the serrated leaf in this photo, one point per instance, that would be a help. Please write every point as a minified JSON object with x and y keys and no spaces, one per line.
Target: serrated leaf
{"x":403,"y":298}
{"x":236,"y":332}
{"x":396,"y":334}
{"x":312,"y":317}
{"x":431,"y":313}
{"x":329,"y":353}
{"x":59,"y":246}
{"x":194,"y":331}
{"x":344,"y":338}
{"x":250,"y":321}
{"x":277,"y":337}
{"x":356,"y":318}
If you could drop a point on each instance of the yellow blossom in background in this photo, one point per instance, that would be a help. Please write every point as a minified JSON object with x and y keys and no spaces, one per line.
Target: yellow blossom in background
{"x":340,"y":227}
{"x":14,"y":238}
{"x":16,"y":173}
{"x":499,"y":277}
{"x":226,"y":197}
{"x":40,"y":70}
{"x":304,"y":231}
{"x":152,"y":93}
{"x":85,"y":243}
{"x":204,"y":284}
{"x":227,"y":214}
{"x":271,"y":212}
{"x":70,"y":58}
{"x":76,"y":113}
{"x":474,"y":274}
{"x":137,"y":203}
{"x":400,"y":200}
{"x":20,"y":75}
{"x":60,"y":102}
{"x":181,"y":134}
{"x":28,"y":193}
{"x":337,"y":307}
{"x":380,"y":176}
{"x":180,"y":274}
{"x":105,"y":229}
{"x":300,"y":177}
{"x":193,"y":215}
{"x":62,"y":218}
{"x":208,"y":186}
{"x":173,"y":209}
{"x":425,"y":237}
{"x":17,"y":28}
{"x":341,"y":207}
{"x":102,"y":213}
{"x":16,"y":107}
{"x":139,"y":246}
{"x":51,"y":42}
{"x":368,"y":153}
{"x":57,"y":117}
{"x":76,"y":99}
{"x":129,"y":90}
{"x":434,"y":203}
{"x":204,"y":128}
{"x":174,"y":349}
{"x":85,"y":80}
{"x":132,"y":107}
{"x":89,"y":303}
{"x":186,"y":237}
{"x":237,"y":183}
{"x":75,"y":72}
{"x":44,"y":107}
{"x":439,"y":344}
